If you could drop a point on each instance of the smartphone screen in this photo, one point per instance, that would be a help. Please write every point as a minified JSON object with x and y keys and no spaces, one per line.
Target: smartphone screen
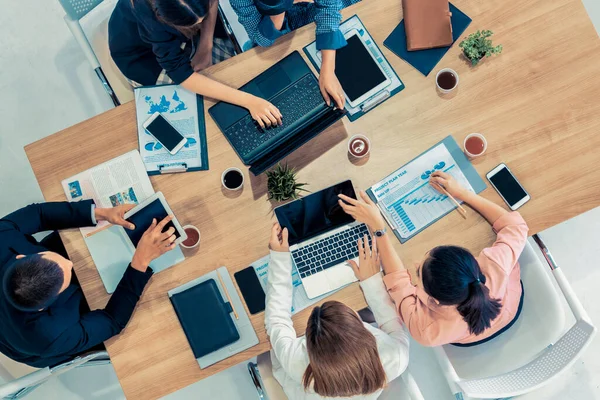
{"x":252,"y":291}
{"x":508,"y":186}
{"x":164,"y":132}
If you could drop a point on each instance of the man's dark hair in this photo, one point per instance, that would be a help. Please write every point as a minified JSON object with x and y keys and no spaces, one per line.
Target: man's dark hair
{"x":33,"y":281}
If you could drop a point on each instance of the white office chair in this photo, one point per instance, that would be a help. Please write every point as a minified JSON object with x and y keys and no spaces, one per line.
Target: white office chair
{"x":23,"y":385}
{"x":268,"y":388}
{"x":97,"y":53}
{"x":534,"y":350}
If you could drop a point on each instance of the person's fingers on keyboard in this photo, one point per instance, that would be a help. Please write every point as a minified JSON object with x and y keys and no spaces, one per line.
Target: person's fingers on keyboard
{"x":272,"y":119}
{"x":277,"y":114}
{"x":258,"y":120}
{"x":325,"y":96}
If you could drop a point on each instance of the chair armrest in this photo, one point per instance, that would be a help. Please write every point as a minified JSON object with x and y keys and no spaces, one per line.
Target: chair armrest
{"x":81,"y":39}
{"x":564,"y":285}
{"x":29,"y":380}
{"x":255,"y":375}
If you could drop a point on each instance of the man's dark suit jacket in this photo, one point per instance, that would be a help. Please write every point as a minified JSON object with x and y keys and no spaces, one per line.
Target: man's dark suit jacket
{"x":66,"y":327}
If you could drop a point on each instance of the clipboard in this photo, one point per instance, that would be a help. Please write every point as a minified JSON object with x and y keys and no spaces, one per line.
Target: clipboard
{"x":379,"y":98}
{"x":470,"y":173}
{"x":180,"y":166}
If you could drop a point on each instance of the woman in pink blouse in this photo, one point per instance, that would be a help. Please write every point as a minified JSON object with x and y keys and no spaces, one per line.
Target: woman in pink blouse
{"x":460,"y":298}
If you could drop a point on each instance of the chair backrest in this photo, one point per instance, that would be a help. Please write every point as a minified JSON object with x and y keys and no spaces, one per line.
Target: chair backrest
{"x":77,"y":9}
{"x":541,"y":323}
{"x":551,"y":362}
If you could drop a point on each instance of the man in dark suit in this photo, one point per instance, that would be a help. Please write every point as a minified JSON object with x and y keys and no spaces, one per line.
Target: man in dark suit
{"x":44,"y":318}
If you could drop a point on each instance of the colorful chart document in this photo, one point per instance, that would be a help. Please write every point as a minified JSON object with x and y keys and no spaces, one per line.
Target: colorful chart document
{"x":407,"y":200}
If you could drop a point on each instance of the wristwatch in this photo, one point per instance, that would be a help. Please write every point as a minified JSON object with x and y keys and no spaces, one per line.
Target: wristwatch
{"x":380,"y":232}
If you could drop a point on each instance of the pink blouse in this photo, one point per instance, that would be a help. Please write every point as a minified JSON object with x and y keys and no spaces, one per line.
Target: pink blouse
{"x":432,"y":324}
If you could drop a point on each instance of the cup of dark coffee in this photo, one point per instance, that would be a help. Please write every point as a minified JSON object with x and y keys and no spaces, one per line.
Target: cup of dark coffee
{"x":232,"y":178}
{"x":359,"y":146}
{"x":193,"y":237}
{"x":446,"y":80}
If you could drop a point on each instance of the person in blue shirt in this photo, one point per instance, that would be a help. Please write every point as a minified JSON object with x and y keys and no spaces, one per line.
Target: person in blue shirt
{"x":44,"y":318}
{"x":170,"y":41}
{"x":267,"y":20}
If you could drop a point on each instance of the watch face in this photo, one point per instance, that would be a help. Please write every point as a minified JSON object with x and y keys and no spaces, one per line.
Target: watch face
{"x":379,"y":233}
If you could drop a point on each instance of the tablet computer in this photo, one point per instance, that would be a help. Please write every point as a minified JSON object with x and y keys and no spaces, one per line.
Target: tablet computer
{"x":359,"y":73}
{"x":141,"y":216}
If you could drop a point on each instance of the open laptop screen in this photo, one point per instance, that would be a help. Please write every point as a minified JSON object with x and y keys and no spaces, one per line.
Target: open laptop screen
{"x":316,"y":213}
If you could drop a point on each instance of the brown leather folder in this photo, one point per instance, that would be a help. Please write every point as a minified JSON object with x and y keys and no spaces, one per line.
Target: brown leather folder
{"x":427,"y":24}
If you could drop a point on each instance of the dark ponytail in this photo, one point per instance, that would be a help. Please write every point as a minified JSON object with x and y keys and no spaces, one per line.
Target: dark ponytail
{"x":180,"y":13}
{"x":452,"y":276}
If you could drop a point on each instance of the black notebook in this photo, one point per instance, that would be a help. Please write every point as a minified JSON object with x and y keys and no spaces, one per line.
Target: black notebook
{"x":205,"y":318}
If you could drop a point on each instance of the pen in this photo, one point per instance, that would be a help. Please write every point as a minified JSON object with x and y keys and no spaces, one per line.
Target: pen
{"x":460,"y":208}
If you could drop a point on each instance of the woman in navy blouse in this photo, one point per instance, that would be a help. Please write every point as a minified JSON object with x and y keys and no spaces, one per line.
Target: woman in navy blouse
{"x":163,"y":41}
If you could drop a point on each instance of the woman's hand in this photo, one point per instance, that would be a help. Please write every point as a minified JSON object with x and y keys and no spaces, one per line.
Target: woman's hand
{"x":368,"y":260}
{"x":364,"y":210}
{"x":279,"y":239}
{"x":330,"y":86}
{"x":263,"y":112}
{"x":448,"y":182}
{"x":153,"y":244}
{"x":115,"y":215}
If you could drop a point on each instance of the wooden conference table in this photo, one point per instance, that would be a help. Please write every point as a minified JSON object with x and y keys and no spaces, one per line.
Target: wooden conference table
{"x":538,"y":104}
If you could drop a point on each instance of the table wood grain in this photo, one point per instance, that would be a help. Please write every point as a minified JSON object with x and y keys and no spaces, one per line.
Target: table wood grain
{"x":538,"y":104}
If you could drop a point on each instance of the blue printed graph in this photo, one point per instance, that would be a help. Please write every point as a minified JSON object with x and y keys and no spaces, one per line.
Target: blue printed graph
{"x":164,"y":105}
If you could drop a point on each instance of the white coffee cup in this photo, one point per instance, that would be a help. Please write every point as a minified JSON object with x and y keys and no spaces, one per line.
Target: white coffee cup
{"x":225,"y":173}
{"x":479,"y":136}
{"x":187,"y":227}
{"x":441,"y":71}
{"x":359,"y":142}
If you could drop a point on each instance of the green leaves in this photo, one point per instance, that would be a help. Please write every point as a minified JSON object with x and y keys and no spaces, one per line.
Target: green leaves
{"x":281,"y":183}
{"x":477,"y":46}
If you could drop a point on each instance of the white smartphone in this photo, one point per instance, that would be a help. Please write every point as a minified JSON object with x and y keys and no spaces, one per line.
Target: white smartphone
{"x":165,"y":133}
{"x":508,"y":187}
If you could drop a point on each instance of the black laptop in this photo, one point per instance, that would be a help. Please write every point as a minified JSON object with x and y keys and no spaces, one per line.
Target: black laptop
{"x":292,"y":87}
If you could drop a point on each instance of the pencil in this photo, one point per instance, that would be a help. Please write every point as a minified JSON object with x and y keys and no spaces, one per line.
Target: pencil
{"x":460,"y":208}
{"x":227,"y":295}
{"x":98,"y":230}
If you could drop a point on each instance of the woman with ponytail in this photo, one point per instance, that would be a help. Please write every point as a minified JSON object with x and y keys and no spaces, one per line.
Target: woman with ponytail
{"x":340,"y":356}
{"x":158,"y":42}
{"x":459,"y":298}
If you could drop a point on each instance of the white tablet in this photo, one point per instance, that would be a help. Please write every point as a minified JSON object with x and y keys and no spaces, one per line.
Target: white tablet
{"x":359,"y":73}
{"x":141,"y":216}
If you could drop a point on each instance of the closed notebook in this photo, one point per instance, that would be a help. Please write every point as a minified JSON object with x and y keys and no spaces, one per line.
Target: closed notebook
{"x":205,"y":318}
{"x":427,"y":24}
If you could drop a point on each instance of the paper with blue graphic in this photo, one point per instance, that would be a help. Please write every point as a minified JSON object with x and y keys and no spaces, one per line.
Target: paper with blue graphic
{"x":406,"y":198}
{"x":180,"y":107}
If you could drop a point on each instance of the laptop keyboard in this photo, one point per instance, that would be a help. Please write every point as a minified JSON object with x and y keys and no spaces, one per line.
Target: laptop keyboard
{"x":329,"y":251}
{"x":294,"y":103}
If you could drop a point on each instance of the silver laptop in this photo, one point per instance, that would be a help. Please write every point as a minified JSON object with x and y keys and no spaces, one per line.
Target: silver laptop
{"x":322,"y":238}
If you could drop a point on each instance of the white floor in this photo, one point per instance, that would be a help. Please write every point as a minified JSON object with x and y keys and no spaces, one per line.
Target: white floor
{"x":46,"y":85}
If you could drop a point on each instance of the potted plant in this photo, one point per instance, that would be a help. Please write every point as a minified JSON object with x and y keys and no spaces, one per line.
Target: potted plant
{"x":281,"y":183}
{"x":477,"y":46}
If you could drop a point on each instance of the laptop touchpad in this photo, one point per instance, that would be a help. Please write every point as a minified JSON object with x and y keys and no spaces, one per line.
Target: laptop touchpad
{"x":273,"y":82}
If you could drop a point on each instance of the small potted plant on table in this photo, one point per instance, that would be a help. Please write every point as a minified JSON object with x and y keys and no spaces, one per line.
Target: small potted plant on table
{"x":282,"y":185}
{"x":478,"y":45}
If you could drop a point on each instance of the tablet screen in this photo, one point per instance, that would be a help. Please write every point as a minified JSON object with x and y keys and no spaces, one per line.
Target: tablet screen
{"x":356,"y":69}
{"x":143,"y":219}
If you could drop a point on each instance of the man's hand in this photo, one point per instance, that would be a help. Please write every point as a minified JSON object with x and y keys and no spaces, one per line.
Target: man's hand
{"x":279,"y":239}
{"x":364,"y":210}
{"x":368,"y":260}
{"x":115,"y":215}
{"x":328,"y":81}
{"x":448,"y":182}
{"x":153,"y":244}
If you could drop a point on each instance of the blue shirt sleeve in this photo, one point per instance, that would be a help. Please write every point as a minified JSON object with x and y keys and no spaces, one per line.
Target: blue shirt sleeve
{"x":268,"y":30}
{"x":328,"y":18}
{"x":251,"y":19}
